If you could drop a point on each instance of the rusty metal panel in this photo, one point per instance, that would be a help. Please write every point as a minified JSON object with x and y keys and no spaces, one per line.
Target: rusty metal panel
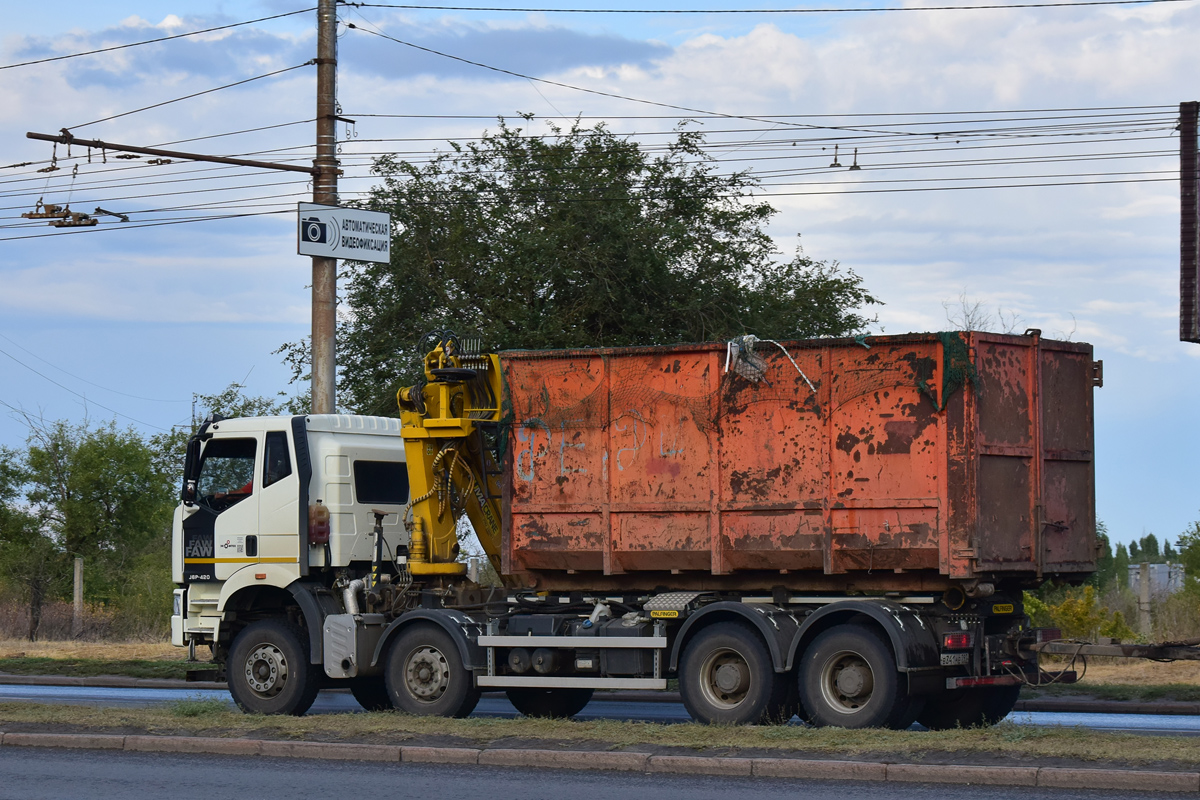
{"x":774,"y":476}
{"x":1007,"y":486}
{"x":1068,"y":483}
{"x":867,"y":465}
{"x":660,"y":436}
{"x":887,"y":457}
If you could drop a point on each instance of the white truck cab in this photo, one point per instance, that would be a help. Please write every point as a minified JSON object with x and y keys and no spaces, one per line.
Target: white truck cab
{"x":268,"y":500}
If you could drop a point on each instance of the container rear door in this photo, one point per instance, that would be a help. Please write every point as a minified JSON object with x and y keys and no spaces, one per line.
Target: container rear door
{"x":1068,"y":469}
{"x":1035,"y":479}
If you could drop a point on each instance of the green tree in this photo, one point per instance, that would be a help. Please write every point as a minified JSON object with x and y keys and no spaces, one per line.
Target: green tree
{"x":232,"y":401}
{"x":576,"y":239}
{"x":100,"y":495}
{"x":1106,"y":567}
{"x":1121,"y":565}
{"x":1148,"y":548}
{"x":30,"y":560}
{"x":1189,"y":550}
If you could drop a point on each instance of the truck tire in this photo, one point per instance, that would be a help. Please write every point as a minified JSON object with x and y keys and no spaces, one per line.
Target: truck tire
{"x":425,"y":675}
{"x":550,"y":703}
{"x":969,"y":708}
{"x":848,"y":679}
{"x":371,"y":693}
{"x":269,"y":670}
{"x":726,"y":677}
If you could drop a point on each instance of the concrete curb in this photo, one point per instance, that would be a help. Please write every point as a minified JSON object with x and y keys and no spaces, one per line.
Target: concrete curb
{"x":1056,"y":777}
{"x":1066,"y":705}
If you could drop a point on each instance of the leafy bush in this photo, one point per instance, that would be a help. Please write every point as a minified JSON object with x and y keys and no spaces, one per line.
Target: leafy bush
{"x":1078,"y":614}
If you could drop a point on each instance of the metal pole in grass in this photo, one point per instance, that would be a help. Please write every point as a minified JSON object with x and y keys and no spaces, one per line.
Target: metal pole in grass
{"x":77,"y":617}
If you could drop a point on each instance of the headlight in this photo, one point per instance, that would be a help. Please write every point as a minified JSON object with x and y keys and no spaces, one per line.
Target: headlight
{"x":177,"y":609}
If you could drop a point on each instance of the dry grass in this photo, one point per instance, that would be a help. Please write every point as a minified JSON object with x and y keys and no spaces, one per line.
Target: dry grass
{"x":99,"y":651}
{"x":1136,"y":672}
{"x":1004,"y":743}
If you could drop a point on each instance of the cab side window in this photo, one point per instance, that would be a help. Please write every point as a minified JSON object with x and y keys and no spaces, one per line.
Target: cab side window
{"x":226,"y":472}
{"x":277,"y":462}
{"x":384,"y":482}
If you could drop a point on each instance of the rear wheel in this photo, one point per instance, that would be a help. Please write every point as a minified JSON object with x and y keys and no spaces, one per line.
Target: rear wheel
{"x":848,"y":679}
{"x":425,"y":675}
{"x":552,"y":703}
{"x":726,"y":677}
{"x":967,"y":708}
{"x":269,"y":670}
{"x":371,"y":693}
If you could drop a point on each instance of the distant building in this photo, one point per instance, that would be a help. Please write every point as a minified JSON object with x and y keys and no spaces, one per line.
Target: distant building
{"x":1165,"y":579}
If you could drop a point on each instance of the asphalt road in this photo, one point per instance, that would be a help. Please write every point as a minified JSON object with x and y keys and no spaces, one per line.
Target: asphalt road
{"x":342,"y":702}
{"x":34,"y":773}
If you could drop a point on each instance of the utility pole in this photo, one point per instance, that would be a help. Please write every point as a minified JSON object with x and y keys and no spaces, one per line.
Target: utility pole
{"x":325,"y":192}
{"x":1144,"y":622}
{"x":1189,"y":224}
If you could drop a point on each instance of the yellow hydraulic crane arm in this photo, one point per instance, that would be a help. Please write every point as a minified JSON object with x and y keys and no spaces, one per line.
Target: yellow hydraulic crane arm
{"x":449,"y":423}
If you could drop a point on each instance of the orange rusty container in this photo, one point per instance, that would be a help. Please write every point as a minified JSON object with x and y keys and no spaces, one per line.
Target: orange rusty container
{"x":893,"y":463}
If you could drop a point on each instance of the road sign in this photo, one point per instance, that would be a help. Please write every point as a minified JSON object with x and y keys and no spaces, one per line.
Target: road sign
{"x":350,"y":233}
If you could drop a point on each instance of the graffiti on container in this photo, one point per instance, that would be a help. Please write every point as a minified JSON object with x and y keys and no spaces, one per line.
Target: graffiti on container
{"x":563,"y":469}
{"x":527,"y":432}
{"x":640,"y":432}
{"x":529,"y":452}
{"x":667,"y":452}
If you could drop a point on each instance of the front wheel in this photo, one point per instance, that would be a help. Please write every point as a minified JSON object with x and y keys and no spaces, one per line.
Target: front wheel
{"x":848,"y":679}
{"x":726,"y":677}
{"x":551,"y":703}
{"x":269,"y":670}
{"x":425,"y":674}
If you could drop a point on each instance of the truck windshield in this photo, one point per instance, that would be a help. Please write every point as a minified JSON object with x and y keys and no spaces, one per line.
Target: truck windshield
{"x":226,"y":472}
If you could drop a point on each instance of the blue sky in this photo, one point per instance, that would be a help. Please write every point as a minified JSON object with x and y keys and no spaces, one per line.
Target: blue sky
{"x":134,"y":322}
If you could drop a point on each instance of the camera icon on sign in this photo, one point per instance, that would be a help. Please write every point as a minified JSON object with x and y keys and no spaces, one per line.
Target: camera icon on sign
{"x":314,"y":230}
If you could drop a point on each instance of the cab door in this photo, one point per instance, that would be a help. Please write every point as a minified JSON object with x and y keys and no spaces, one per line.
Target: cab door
{"x":278,"y":502}
{"x":220,"y":530}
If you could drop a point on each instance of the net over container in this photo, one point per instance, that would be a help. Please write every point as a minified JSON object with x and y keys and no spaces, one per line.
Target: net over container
{"x":891,"y":463}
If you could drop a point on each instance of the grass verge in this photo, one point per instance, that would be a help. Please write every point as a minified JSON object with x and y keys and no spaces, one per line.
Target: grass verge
{"x":90,"y":667}
{"x":1003,"y":744}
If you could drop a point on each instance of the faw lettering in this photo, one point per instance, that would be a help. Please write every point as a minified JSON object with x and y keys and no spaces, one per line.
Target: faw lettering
{"x":198,"y":548}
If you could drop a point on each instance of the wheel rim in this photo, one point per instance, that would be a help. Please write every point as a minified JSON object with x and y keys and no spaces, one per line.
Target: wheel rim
{"x":725,"y":678}
{"x":266,"y":670}
{"x":426,"y":674}
{"x":847,"y":682}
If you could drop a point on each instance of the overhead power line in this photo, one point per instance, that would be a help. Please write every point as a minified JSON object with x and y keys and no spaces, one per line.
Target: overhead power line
{"x":159,"y":39}
{"x":77,"y":394}
{"x":613,"y":95}
{"x":131,"y":226}
{"x":308,"y":63}
{"x":85,"y":380}
{"x":873,"y":9}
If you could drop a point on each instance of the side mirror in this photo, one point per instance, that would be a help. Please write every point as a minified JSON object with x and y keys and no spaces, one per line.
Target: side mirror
{"x":191,"y":471}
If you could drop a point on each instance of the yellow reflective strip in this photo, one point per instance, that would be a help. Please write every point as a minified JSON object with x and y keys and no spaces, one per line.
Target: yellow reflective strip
{"x":239,"y":561}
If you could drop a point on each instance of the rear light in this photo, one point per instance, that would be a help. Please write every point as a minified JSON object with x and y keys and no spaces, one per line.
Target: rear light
{"x":1048,"y":634}
{"x":963,"y":640}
